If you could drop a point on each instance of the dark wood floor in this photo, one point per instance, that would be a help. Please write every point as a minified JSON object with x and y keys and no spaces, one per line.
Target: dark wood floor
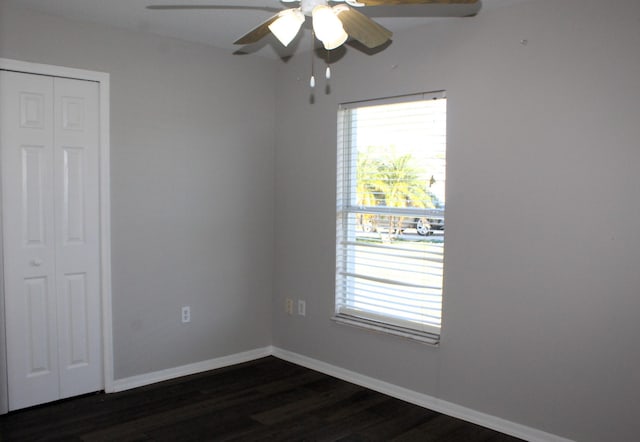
{"x":268,"y":399}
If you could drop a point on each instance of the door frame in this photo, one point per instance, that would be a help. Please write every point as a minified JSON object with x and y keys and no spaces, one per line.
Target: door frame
{"x":102,"y":79}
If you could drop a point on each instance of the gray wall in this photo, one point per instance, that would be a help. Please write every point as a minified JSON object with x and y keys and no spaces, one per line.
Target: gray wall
{"x":192,"y":164}
{"x":542,"y":285}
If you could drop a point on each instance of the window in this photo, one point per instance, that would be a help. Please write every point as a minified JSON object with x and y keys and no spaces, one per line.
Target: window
{"x":390,"y":215}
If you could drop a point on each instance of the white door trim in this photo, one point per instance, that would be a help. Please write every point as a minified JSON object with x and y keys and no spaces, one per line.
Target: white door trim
{"x":102,"y":79}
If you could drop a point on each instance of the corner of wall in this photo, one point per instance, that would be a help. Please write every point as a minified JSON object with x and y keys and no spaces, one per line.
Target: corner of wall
{"x":4,"y":385}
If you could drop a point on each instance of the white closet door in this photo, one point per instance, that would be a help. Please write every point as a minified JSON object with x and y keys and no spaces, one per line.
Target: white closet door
{"x":76,"y":190}
{"x":29,"y":245}
{"x":50,"y":222}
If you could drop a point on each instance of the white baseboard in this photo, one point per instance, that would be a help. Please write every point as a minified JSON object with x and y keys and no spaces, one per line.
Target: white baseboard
{"x":186,"y":370}
{"x":423,"y":400}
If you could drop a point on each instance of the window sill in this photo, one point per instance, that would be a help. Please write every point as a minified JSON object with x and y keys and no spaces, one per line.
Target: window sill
{"x":380,"y":327}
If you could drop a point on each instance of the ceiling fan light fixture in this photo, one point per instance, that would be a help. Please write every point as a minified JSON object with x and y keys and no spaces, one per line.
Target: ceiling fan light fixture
{"x":328,"y":27}
{"x":287,"y":25}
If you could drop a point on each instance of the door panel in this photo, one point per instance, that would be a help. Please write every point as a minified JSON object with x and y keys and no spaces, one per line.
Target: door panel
{"x":32,"y":110}
{"x":40,"y":347}
{"x":34,"y":191}
{"x":76,"y":297}
{"x":73,"y":213}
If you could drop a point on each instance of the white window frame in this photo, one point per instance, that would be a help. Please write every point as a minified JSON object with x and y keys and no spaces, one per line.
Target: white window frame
{"x":346,"y":212}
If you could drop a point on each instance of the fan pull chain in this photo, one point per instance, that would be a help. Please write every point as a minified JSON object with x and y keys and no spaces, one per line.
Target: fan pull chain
{"x":327,"y":73}
{"x":312,"y":80}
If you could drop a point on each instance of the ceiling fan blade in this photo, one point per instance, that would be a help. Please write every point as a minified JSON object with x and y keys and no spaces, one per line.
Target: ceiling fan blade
{"x":214,"y":7}
{"x":362,"y":28}
{"x":256,"y":34}
{"x":415,"y":2}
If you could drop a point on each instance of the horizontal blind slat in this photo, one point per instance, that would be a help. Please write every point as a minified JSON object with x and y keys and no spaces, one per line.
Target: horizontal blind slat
{"x":386,"y":281}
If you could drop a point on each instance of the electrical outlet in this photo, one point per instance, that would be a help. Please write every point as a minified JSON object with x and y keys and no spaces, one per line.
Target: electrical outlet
{"x":288,"y":306}
{"x":186,"y":314}
{"x":302,"y":307}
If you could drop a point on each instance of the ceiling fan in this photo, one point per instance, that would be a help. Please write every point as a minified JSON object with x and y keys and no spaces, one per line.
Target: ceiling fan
{"x":332,"y":25}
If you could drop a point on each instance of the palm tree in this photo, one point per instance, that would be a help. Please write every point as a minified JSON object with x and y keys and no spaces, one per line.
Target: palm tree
{"x":385,"y":178}
{"x":367,"y":193}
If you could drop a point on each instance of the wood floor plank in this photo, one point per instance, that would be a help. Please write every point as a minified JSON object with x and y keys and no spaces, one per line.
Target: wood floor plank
{"x":305,"y":406}
{"x":268,"y":399}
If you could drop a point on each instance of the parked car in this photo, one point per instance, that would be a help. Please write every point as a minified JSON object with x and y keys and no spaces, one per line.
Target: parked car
{"x":426,"y":226}
{"x":423,"y":226}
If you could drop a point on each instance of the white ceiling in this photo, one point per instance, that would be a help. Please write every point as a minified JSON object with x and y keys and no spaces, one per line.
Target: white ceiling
{"x":220,"y":28}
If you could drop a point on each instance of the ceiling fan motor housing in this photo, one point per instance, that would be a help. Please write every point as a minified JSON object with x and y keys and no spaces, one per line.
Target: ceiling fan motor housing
{"x":306,"y":6}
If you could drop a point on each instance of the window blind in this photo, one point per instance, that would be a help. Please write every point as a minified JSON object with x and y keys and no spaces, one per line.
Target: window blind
{"x":390,"y":214}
